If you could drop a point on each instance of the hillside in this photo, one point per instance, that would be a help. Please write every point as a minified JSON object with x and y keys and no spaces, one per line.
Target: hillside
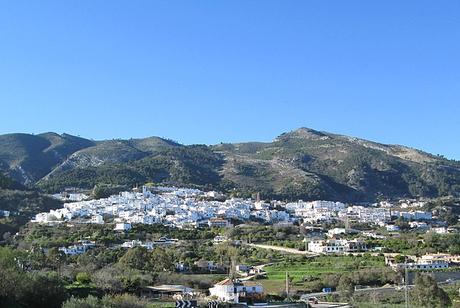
{"x":22,"y":204}
{"x":302,"y":164}
{"x":27,"y":158}
{"x":315,"y":164}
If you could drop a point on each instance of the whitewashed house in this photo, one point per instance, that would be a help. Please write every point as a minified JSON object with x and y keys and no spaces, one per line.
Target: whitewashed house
{"x":336,"y":246}
{"x":234,"y":290}
{"x":123,"y":226}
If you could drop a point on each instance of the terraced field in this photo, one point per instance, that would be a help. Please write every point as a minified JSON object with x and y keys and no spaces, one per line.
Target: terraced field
{"x":313,"y":268}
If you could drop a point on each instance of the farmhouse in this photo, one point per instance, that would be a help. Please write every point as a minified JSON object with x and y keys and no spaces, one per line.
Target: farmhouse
{"x":337,"y":246}
{"x":237,"y":291}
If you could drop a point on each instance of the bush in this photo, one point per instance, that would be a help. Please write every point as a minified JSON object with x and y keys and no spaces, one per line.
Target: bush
{"x":123,"y":301}
{"x":38,"y":290}
{"x":83,"y":278}
{"x":108,"y":301}
{"x":88,"y":302}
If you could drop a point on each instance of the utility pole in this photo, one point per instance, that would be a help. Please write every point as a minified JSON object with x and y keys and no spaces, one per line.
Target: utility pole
{"x":287,"y":284}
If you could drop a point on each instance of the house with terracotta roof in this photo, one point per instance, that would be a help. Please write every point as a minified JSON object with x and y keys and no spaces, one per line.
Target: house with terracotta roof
{"x":237,"y":291}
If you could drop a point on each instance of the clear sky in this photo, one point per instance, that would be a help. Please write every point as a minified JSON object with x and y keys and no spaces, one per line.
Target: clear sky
{"x":225,"y":71}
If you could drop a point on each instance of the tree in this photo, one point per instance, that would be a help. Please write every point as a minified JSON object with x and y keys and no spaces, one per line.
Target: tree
{"x":162,"y":260}
{"x":116,"y":279}
{"x":108,"y":279}
{"x":56,"y":258}
{"x":83,"y":278}
{"x":346,"y":287}
{"x":39,"y":290}
{"x":137,"y":258}
{"x":426,"y":293}
{"x":400,"y":259}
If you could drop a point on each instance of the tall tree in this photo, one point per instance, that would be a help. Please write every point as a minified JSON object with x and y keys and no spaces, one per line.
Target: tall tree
{"x":426,"y":293}
{"x":346,"y":287}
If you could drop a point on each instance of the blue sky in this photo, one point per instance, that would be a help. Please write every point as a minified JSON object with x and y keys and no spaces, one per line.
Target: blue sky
{"x":226,"y":71}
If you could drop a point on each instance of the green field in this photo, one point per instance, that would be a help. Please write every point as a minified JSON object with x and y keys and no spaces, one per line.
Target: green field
{"x":312,"y":268}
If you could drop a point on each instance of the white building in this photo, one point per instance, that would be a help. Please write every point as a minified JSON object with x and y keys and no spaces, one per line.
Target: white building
{"x":413,"y":215}
{"x":234,"y":290}
{"x":97,"y":219}
{"x":123,"y":226}
{"x":336,"y":231}
{"x":392,"y":228}
{"x":336,"y":246}
{"x":426,"y":262}
{"x":363,"y":214}
{"x":131,"y":244}
{"x":82,"y":247}
{"x":439,"y":230}
{"x":220,"y":239}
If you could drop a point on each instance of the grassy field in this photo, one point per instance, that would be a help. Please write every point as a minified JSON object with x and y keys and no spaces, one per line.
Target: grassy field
{"x":299,"y":271}
{"x":315,"y":267}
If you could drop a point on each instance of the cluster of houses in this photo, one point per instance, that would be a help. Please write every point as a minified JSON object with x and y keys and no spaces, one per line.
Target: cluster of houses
{"x":173,"y":207}
{"x":380,"y":214}
{"x":67,"y":196}
{"x":183,"y":207}
{"x":83,"y":246}
{"x":188,"y":208}
{"x":425,"y":262}
{"x":161,"y":242}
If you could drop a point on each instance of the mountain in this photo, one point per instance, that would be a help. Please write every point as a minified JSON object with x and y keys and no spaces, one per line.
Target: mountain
{"x":112,"y":152}
{"x":309,"y":164}
{"x":301,"y":164}
{"x":27,"y":158}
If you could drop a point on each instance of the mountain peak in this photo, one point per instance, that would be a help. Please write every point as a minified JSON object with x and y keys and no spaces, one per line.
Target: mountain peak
{"x":304,"y":133}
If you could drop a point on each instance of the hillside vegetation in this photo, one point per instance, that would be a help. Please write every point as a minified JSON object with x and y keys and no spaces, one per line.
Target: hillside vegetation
{"x":302,"y":164}
{"x":22,"y":204}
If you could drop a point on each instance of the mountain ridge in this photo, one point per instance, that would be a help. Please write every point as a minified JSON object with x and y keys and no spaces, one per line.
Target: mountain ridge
{"x":303,"y":163}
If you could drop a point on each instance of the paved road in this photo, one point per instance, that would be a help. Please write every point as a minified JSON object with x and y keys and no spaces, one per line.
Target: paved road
{"x":285,"y":249}
{"x":385,"y":289}
{"x":313,"y":254}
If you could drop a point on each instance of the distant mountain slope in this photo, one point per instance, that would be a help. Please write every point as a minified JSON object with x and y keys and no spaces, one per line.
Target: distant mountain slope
{"x":178,"y":165}
{"x":316,"y":164}
{"x":112,"y":152}
{"x":302,"y":164}
{"x":27,"y":158}
{"x":8,"y":183}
